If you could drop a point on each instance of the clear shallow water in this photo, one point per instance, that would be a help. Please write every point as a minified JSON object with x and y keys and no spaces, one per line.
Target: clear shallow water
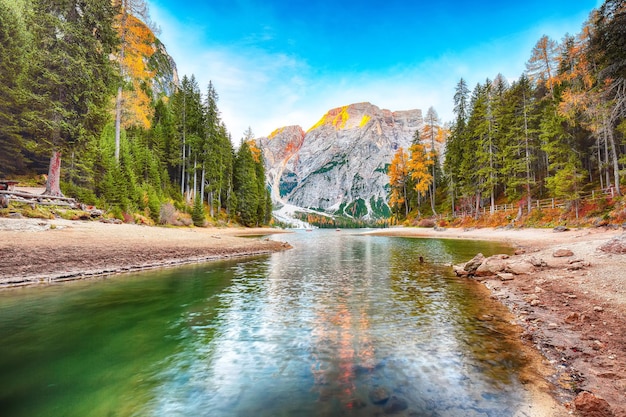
{"x":320,"y":330}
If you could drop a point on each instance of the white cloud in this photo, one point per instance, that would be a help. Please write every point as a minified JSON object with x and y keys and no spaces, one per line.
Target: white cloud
{"x":266,"y":90}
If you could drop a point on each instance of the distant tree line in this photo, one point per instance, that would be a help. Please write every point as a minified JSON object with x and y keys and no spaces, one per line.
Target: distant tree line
{"x":125,"y":144}
{"x":557,"y":131}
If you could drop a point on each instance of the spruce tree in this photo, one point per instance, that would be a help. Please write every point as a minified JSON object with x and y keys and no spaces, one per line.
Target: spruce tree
{"x":70,"y":78}
{"x":14,"y":44}
{"x":197,"y":214}
{"x":455,"y":144}
{"x":246,"y":186}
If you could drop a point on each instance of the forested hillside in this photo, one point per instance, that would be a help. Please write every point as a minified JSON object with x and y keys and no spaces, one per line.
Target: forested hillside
{"x":90,"y":98}
{"x":558,"y":131}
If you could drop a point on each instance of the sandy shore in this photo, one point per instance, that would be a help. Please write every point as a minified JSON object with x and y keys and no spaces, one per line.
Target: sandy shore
{"x":576,"y":317}
{"x":44,"y":251}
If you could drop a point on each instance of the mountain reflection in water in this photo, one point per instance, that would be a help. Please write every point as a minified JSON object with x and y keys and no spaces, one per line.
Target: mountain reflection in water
{"x":341,"y":325}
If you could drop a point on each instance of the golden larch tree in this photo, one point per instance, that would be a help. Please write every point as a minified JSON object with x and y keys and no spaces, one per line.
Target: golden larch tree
{"x":398,"y":173}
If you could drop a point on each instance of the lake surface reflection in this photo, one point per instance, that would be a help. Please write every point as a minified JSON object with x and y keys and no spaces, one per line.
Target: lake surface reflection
{"x":342,"y":325}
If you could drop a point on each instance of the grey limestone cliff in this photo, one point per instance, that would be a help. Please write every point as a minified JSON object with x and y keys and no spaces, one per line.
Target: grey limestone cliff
{"x":340,"y":165}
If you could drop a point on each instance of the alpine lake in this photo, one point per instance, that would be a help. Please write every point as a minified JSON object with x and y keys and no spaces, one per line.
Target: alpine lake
{"x":343,"y":324}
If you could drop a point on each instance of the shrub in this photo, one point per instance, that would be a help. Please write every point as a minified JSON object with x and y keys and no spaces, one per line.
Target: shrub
{"x":167,"y":214}
{"x":426,"y":223}
{"x":198,"y":213}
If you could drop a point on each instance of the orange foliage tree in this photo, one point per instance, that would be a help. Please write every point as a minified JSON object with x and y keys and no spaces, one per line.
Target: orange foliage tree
{"x":418,"y":168}
{"x":398,"y":178}
{"x":137,"y":42}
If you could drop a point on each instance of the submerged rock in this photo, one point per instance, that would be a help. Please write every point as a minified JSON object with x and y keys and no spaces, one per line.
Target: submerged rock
{"x":379,"y":395}
{"x":395,"y":405}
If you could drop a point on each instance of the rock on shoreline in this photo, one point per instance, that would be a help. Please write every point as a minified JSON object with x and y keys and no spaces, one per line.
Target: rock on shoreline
{"x":583,"y":341}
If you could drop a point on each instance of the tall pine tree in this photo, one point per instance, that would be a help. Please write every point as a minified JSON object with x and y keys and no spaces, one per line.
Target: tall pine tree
{"x":70,"y":75}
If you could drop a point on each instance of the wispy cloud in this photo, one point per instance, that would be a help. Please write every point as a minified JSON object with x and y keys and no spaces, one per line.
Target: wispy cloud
{"x":265,"y":89}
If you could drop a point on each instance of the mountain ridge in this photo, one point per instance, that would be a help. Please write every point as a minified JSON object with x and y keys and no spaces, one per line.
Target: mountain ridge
{"x":339,"y":166}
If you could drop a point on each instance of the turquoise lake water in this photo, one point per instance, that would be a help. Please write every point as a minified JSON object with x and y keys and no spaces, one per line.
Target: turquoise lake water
{"x":329,"y":328}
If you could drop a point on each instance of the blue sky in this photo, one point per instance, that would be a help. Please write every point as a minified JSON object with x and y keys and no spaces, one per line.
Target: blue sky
{"x":286,"y":62}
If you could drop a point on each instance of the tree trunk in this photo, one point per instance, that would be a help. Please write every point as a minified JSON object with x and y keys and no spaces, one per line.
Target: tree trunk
{"x":527,"y":159}
{"x":182,"y":172}
{"x":188,"y":174}
{"x":452,"y":196}
{"x":118,"y":123}
{"x":615,"y":162}
{"x":202,"y":183}
{"x":53,"y":184}
{"x":195,"y":178}
{"x":120,"y":96}
{"x":477,"y":213}
{"x":599,"y":163}
{"x":434,"y":189}
{"x":406,"y":203}
{"x":606,"y":155}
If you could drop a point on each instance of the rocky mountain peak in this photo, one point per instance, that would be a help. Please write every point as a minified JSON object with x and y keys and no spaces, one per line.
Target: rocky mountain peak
{"x":339,"y":166}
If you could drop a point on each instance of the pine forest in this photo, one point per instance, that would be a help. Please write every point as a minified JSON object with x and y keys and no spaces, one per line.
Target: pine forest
{"x":90,"y":99}
{"x":91,"y":102}
{"x":557,"y":132}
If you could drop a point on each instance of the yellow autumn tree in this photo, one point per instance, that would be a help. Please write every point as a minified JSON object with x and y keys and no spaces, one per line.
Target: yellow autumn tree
{"x":137,"y":45}
{"x":140,"y":46}
{"x":543,"y":62}
{"x":398,"y":173}
{"x":254,"y":149}
{"x":418,"y":167}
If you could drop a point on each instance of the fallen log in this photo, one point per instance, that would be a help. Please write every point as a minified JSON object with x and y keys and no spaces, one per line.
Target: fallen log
{"x":43,"y":203}
{"x":36,"y":196}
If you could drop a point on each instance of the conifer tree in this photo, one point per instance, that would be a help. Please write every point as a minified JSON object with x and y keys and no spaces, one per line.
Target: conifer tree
{"x":519,"y":147}
{"x":14,"y":44}
{"x":246,"y":186}
{"x":432,"y":131}
{"x":197,"y":214}
{"x":542,"y":64}
{"x":189,"y":123}
{"x":455,"y":145}
{"x":70,"y":75}
{"x":212,"y":160}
